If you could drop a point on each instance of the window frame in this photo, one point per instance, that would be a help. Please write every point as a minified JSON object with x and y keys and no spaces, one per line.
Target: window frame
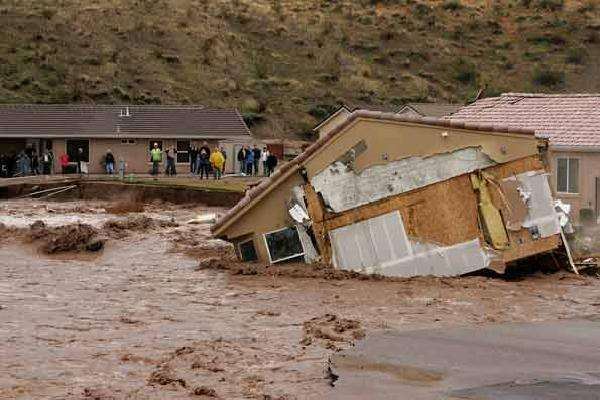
{"x":288,"y":257}
{"x":568,"y":170}
{"x":239,"y":249}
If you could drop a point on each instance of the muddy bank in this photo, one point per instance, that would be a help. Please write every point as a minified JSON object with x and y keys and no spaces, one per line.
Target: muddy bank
{"x":139,"y":193}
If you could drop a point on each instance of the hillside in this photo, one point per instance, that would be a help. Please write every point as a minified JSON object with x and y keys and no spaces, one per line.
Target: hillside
{"x":286,"y":63}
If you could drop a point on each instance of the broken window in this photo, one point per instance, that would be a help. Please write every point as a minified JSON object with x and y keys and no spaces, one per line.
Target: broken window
{"x":247,"y":251}
{"x":284,"y":244}
{"x":567,"y":175}
{"x":182,"y":151}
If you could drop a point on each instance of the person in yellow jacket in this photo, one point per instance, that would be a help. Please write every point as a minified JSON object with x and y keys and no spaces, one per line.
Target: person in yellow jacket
{"x":217,"y":161}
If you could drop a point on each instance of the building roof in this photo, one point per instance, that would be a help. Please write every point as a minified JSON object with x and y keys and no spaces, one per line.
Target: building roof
{"x":566,"y":120}
{"x":438,"y":110}
{"x":112,"y":121}
{"x":339,"y":110}
{"x":285,"y":170}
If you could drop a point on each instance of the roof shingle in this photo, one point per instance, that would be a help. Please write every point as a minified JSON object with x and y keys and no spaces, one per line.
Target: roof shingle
{"x":571,"y":120}
{"x":81,"y":120}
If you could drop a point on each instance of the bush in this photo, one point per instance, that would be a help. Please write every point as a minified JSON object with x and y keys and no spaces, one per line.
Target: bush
{"x":552,"y":5}
{"x":465,"y":72}
{"x":576,"y":55}
{"x":452,"y":5}
{"x":548,"y":77}
{"x":322,"y":111}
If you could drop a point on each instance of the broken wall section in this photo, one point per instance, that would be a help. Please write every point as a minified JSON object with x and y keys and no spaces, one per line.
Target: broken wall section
{"x":344,"y":189}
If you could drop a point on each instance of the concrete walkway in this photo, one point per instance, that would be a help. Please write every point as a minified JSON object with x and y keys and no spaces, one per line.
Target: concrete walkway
{"x":546,"y":360}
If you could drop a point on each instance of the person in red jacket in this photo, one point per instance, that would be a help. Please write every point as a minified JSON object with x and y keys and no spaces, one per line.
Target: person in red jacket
{"x":64,"y":162}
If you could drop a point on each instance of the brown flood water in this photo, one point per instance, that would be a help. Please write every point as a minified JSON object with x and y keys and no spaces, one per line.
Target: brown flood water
{"x":138,"y":321}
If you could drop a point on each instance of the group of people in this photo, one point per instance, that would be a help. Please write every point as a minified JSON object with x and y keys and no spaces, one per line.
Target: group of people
{"x":26,"y":162}
{"x":203,"y":161}
{"x":251,"y":159}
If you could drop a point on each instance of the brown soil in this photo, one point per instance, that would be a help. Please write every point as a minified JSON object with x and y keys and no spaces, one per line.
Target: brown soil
{"x":330,"y":328}
{"x":75,"y":237}
{"x":135,"y":223}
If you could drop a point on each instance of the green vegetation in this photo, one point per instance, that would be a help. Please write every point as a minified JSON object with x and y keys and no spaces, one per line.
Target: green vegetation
{"x":286,"y":63}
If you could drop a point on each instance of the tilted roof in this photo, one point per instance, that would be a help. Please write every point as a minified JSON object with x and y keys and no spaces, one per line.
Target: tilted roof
{"x":83,"y":120}
{"x":569,"y":120}
{"x":286,"y":169}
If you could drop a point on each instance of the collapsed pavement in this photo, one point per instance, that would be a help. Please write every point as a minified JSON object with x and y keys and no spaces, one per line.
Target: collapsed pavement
{"x":397,"y":196}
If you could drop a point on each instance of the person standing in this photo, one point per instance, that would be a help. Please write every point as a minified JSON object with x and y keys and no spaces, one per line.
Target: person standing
{"x":35,"y":163}
{"x":256,"y":153}
{"x":64,"y":162}
{"x":193,"y":154}
{"x":109,"y":161}
{"x":217,"y":161}
{"x":271,"y":163}
{"x":156,"y":158}
{"x":249,"y":161}
{"x":224,"y":159}
{"x":241,"y":157}
{"x":122,"y":166}
{"x":170,"y":162}
{"x":46,"y":163}
{"x":204,"y":154}
{"x":263,"y":159}
{"x":79,"y":160}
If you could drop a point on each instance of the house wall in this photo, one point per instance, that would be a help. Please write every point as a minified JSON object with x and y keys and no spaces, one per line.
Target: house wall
{"x":384,"y":141}
{"x":589,"y":170}
{"x":137,"y":155}
{"x":333,"y":122}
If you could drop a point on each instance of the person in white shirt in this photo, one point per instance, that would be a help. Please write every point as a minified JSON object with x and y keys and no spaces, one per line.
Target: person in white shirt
{"x":263,"y":159}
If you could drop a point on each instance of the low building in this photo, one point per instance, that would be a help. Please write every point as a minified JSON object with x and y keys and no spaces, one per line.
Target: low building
{"x":417,"y":110}
{"x":570,"y":122}
{"x":401,"y":196}
{"x":129,"y":131}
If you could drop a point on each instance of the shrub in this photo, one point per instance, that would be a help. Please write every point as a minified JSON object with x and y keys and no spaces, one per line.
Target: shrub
{"x":322,"y":111}
{"x":552,"y":5}
{"x":576,"y":55}
{"x":465,"y":71}
{"x":452,"y":5}
{"x":544,"y":76}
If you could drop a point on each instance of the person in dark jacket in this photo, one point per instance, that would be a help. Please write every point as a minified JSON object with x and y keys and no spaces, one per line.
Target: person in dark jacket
{"x":225,"y":159}
{"x":271,"y":163}
{"x":249,"y":161}
{"x":241,"y":157}
{"x":109,"y":162}
{"x":257,"y":153}
{"x":193,"y":154}
{"x":204,"y":160}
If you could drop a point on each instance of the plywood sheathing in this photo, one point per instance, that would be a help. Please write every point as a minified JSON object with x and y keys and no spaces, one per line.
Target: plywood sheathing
{"x":444,"y":213}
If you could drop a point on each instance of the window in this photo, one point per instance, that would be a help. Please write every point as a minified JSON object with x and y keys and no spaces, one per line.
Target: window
{"x":72,"y":149}
{"x":127,"y":141}
{"x":567,"y":175}
{"x":284,"y":244}
{"x":247,"y":251}
{"x":182,"y":151}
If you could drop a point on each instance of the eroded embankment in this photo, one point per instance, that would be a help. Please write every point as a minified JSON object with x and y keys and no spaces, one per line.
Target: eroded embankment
{"x":114,"y":191}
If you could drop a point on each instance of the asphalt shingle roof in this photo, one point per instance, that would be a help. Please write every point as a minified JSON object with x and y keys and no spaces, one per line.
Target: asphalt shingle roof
{"x":81,"y":120}
{"x":571,"y":120}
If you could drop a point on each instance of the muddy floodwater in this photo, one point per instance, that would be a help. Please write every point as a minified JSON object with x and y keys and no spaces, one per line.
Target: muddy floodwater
{"x":138,"y":319}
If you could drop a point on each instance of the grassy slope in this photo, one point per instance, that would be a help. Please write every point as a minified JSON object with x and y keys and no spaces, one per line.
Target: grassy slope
{"x":286,"y":62}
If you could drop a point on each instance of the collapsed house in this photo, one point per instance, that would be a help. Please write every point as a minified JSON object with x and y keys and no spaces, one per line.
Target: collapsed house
{"x":402,"y":196}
